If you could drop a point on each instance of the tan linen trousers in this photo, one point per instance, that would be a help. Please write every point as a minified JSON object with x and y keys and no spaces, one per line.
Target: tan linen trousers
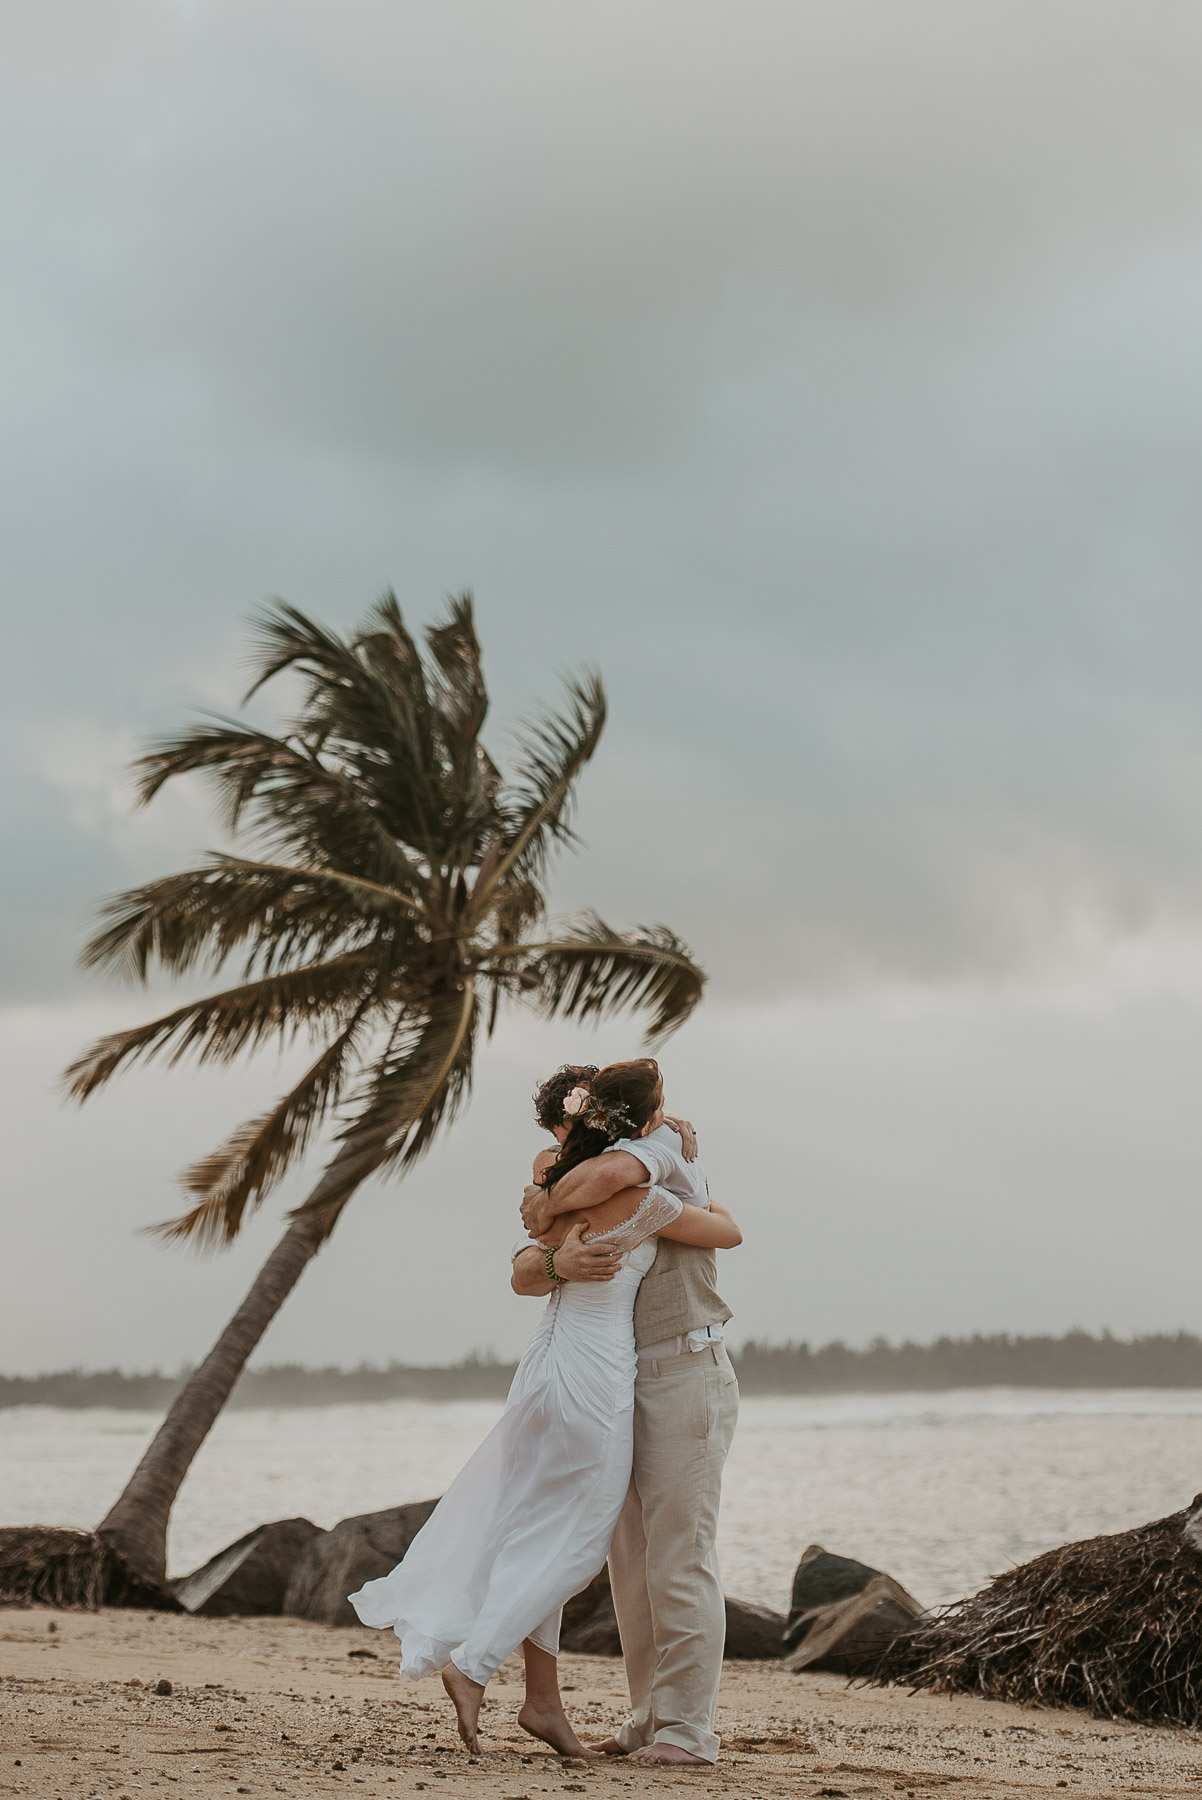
{"x":663,"y":1561}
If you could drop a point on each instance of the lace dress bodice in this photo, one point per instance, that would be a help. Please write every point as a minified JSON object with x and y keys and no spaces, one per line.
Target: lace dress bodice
{"x":655,"y":1210}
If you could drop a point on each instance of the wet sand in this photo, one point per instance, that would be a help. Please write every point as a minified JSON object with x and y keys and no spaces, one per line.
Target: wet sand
{"x":277,"y":1706}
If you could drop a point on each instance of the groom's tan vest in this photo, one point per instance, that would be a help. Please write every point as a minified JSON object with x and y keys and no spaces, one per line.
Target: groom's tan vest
{"x":680,"y":1294}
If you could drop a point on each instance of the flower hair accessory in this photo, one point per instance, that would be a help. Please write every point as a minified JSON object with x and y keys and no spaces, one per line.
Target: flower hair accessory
{"x":609,"y":1116}
{"x":575,"y":1102}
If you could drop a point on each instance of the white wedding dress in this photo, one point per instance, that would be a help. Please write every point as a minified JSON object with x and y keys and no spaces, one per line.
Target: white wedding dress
{"x":527,"y":1521}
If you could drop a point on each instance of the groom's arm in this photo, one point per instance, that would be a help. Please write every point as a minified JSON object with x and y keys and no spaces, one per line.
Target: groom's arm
{"x":588,"y":1184}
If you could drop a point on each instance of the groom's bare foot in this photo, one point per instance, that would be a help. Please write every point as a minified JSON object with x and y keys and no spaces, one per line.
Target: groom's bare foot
{"x":608,"y":1747}
{"x":466,"y":1696}
{"x":553,"y":1729}
{"x":666,"y":1753}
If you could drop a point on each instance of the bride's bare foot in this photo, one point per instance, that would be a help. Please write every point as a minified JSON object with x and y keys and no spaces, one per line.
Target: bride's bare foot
{"x":608,"y":1747}
{"x":553,"y":1729}
{"x":466,"y":1696}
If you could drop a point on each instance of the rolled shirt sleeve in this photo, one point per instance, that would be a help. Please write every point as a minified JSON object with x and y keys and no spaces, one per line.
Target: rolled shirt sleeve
{"x":661,"y":1154}
{"x":660,"y":1162}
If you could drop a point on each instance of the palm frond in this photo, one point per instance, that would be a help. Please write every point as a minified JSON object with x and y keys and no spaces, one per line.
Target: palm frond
{"x":219,"y":1027}
{"x":390,"y":708}
{"x":459,"y":694}
{"x":461,"y":703}
{"x":592,"y":971}
{"x":554,"y":749}
{"x":416,"y":1087}
{"x":200,"y":916}
{"x":236,"y":1178}
{"x":286,"y":794}
{"x":369,"y":708}
{"x":441,"y":779}
{"x":286,"y":638}
{"x":518,"y":904}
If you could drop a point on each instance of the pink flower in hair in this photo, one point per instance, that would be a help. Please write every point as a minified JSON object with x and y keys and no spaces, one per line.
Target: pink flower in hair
{"x":576,"y":1102}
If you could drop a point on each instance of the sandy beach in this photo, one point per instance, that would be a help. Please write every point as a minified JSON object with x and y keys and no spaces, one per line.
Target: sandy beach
{"x":278,"y":1706}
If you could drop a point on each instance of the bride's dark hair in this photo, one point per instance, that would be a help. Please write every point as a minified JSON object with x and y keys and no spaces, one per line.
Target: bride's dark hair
{"x":622,"y":1099}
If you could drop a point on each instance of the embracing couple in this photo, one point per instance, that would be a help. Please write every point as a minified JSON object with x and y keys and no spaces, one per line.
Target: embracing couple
{"x":611,"y":1444}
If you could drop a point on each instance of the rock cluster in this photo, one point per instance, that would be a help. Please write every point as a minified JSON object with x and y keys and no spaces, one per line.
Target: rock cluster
{"x":842,"y":1613}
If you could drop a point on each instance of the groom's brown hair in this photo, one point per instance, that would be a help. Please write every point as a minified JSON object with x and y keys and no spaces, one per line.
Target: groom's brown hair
{"x":622,"y":1099}
{"x":549,"y":1098}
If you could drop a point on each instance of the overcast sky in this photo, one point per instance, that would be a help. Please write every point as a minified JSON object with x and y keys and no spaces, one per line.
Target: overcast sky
{"x":828,"y":375}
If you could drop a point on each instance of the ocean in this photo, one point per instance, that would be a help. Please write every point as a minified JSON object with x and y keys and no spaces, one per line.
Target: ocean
{"x":941,"y":1490}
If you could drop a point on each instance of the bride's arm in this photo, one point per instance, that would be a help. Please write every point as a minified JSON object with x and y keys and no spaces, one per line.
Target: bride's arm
{"x":712,"y":1229}
{"x":542,"y":1162}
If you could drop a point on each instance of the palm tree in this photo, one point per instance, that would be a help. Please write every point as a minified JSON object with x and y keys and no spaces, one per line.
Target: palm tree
{"x":393,"y":899}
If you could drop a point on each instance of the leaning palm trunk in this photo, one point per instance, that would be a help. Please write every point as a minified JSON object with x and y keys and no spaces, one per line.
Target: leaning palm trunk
{"x":396,"y":901}
{"x":136,"y":1525}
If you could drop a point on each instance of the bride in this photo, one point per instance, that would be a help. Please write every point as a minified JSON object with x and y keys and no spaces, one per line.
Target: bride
{"x":527,"y":1522}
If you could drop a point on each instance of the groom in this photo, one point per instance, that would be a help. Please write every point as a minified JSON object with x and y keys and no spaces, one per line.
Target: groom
{"x":663,"y":1561}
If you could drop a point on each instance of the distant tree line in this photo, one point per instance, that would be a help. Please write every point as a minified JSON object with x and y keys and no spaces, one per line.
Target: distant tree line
{"x":1076,"y":1360}
{"x":283,"y":1384}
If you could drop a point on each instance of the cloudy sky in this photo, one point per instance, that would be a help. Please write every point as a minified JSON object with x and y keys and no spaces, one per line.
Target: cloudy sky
{"x":828,"y":374}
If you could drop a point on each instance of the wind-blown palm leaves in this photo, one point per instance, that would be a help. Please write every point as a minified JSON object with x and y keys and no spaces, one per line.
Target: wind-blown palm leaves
{"x":394,"y":900}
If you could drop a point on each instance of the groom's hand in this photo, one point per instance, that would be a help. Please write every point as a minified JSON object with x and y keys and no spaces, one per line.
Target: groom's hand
{"x":686,"y":1134}
{"x":578,"y":1261}
{"x":538,"y":1215}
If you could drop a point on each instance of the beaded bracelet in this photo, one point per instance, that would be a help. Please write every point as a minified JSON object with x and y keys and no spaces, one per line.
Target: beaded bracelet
{"x":551,"y":1274}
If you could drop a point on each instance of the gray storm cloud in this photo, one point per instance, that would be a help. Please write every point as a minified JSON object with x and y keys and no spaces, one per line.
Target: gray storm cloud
{"x":830,"y":376}
{"x":827,"y":374}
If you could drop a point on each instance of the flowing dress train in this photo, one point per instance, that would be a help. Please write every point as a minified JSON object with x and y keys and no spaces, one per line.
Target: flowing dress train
{"x":528,"y":1520}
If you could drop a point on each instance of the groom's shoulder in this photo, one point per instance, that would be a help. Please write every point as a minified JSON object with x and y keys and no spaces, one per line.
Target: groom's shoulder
{"x":662,"y":1140}
{"x":663,"y":1136}
{"x":662,"y":1154}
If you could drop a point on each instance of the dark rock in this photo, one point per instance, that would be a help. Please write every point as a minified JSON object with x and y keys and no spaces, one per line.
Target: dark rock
{"x":251,"y":1575}
{"x":581,"y":1610}
{"x":163,"y":1687}
{"x":596,"y":1635}
{"x":753,"y":1633}
{"x":338,"y":1562}
{"x":590,"y":1625}
{"x":851,"y":1635}
{"x":822,"y":1578}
